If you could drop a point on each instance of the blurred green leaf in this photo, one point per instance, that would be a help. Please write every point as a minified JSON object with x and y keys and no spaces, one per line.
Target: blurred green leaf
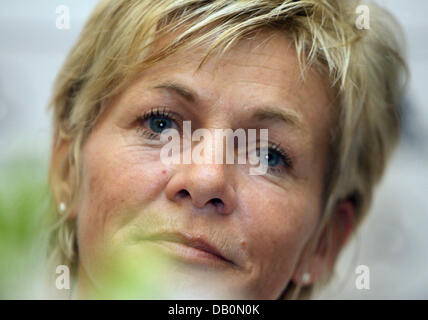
{"x":23,"y":202}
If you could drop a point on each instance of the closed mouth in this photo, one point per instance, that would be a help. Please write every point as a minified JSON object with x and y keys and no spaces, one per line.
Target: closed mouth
{"x":191,"y":247}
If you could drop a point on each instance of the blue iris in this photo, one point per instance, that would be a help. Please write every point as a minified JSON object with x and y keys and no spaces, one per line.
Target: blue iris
{"x":271,"y":157}
{"x":159,"y":124}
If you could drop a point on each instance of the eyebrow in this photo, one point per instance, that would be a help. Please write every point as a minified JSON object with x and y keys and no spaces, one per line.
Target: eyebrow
{"x":262,"y":113}
{"x":275,"y":114}
{"x":178,"y":89}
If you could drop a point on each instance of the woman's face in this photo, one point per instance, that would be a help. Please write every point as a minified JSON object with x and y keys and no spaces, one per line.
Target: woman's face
{"x":218,"y":225}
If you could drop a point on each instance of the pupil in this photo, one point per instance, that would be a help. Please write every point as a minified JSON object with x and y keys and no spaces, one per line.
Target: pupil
{"x":271,"y":158}
{"x":159,"y":124}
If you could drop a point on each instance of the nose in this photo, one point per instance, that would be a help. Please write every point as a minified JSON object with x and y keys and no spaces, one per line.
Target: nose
{"x":205,"y":186}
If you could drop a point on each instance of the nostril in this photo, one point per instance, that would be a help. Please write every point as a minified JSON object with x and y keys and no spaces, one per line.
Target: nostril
{"x":183,"y":193}
{"x":217,"y":202}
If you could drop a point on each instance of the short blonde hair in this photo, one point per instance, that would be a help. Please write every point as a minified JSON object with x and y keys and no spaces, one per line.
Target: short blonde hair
{"x":364,"y":67}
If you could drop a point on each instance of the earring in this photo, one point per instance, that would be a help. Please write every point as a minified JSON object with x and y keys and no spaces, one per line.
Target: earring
{"x":306,"y":277}
{"x":62,"y":207}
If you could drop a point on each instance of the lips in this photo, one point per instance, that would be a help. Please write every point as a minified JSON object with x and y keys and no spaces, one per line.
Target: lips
{"x":200,"y":249}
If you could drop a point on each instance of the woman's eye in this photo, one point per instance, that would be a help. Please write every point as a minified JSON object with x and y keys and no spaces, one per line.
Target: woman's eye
{"x":275,"y":158}
{"x":153,"y":123}
{"x":271,"y":158}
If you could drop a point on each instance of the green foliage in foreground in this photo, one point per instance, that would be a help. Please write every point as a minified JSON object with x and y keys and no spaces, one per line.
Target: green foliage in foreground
{"x":23,"y":201}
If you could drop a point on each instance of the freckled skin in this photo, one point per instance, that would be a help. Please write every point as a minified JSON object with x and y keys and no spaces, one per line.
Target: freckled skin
{"x":267,"y":220}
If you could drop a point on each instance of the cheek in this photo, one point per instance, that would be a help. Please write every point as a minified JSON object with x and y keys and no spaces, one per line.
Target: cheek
{"x":115,"y":181}
{"x":279,"y":220}
{"x":279,"y":226}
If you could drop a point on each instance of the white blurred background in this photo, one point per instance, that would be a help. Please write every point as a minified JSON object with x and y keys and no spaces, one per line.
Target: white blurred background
{"x":392,"y":242}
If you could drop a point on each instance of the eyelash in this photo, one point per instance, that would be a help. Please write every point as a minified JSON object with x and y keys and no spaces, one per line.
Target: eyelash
{"x":165,"y":113}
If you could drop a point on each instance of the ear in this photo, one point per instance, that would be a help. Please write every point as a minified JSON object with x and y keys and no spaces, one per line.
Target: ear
{"x":61,"y":173}
{"x":313,"y":267}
